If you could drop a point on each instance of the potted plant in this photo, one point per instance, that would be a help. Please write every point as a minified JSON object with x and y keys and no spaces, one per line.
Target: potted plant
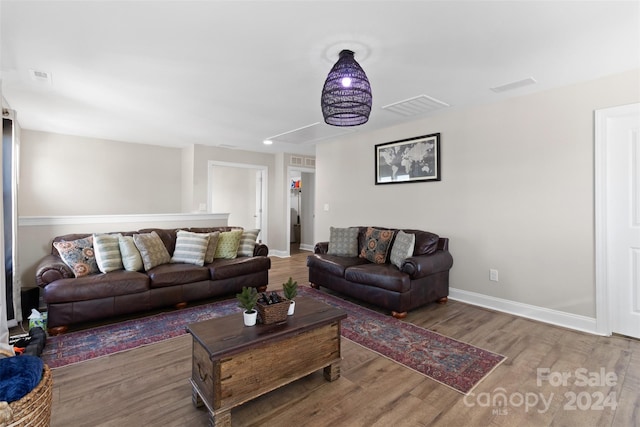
{"x":290,"y":290}
{"x":247,"y":299}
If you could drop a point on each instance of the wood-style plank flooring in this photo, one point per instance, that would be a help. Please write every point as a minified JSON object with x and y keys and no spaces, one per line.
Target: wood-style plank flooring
{"x":149,"y":386}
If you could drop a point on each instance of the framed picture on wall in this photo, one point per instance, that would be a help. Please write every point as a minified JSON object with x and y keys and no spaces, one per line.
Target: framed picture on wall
{"x":408,"y":160}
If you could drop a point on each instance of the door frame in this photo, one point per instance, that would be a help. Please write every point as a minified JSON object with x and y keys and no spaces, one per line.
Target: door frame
{"x":604,"y":301}
{"x":265,"y":186}
{"x":287,"y":192}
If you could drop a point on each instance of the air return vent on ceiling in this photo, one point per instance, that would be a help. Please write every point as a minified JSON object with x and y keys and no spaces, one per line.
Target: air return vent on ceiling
{"x":417,"y":105}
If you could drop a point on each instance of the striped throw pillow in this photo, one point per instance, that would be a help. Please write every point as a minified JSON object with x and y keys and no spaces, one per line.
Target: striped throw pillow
{"x":107,"y":251}
{"x":190,"y":247}
{"x":248,"y":242}
{"x":131,"y":259}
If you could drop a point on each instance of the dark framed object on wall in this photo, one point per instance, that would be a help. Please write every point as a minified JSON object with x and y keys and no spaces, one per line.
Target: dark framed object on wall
{"x":408,"y":160}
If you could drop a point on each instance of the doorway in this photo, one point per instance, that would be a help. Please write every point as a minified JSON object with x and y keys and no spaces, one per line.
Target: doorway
{"x":241,"y":191}
{"x":617,"y":179}
{"x":301,"y":208}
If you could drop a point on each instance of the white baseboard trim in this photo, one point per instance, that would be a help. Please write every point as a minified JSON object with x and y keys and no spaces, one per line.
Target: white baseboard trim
{"x":279,"y":254}
{"x":554,"y":317}
{"x":305,"y":247}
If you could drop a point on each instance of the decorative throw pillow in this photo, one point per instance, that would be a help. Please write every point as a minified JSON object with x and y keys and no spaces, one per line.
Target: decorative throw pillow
{"x":79,"y":256}
{"x":248,"y":242}
{"x":343,"y":241}
{"x":131,"y":259}
{"x":376,"y":245}
{"x":402,"y":248}
{"x":211,"y":247}
{"x":107,"y":251}
{"x":228,"y":244}
{"x":152,"y":250}
{"x":190,"y":247}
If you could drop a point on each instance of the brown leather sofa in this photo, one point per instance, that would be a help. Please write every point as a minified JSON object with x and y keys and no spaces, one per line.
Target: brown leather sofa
{"x":72,"y":300}
{"x":423,"y":278}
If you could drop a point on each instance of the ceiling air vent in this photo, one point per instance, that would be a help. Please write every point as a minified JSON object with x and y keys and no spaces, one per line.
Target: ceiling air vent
{"x":40,"y":76}
{"x":420,"y":104}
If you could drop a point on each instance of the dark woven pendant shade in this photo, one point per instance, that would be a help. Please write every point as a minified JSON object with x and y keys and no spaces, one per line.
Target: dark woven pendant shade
{"x":346,"y":95}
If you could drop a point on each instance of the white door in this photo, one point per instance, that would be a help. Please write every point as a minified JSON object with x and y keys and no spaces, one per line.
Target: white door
{"x":622,"y":213}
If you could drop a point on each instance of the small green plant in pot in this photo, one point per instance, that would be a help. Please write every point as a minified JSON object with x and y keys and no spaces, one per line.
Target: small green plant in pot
{"x":290,"y":290}
{"x":247,"y":299}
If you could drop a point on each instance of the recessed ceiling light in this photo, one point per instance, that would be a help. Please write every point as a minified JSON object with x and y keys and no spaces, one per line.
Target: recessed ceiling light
{"x":267,"y":142}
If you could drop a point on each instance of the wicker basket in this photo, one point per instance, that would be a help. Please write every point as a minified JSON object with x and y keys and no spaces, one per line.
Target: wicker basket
{"x":34,"y":409}
{"x":273,"y":313}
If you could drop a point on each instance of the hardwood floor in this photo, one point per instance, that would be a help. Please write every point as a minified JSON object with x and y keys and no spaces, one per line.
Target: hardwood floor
{"x":149,"y":386}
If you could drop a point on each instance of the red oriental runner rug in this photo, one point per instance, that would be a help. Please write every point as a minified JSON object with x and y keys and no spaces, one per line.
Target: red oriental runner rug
{"x":450,"y":362}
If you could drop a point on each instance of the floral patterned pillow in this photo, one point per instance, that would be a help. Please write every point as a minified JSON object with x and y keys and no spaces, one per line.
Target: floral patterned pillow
{"x":79,"y":256}
{"x":376,"y":245}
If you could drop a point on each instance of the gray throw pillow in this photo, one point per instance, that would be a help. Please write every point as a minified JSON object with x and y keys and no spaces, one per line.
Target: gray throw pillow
{"x":343,"y":241}
{"x":152,"y":250}
{"x":402,"y":248}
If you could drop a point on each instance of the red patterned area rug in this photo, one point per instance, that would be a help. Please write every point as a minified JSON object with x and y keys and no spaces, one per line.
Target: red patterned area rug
{"x":452,"y":363}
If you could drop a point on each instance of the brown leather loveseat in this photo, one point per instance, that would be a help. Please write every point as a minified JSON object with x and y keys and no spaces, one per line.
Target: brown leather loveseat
{"x":72,"y":300}
{"x":415,"y":278}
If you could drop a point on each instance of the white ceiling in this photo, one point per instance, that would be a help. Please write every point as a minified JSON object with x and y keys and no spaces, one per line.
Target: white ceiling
{"x":233,"y":73}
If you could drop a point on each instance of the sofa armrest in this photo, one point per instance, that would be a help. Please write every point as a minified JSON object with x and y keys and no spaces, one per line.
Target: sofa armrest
{"x":424,"y":265}
{"x":321,"y":248}
{"x":51,"y":268}
{"x":260,"y":250}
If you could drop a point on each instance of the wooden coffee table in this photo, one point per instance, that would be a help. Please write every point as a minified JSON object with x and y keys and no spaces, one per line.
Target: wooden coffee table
{"x":233,"y":364}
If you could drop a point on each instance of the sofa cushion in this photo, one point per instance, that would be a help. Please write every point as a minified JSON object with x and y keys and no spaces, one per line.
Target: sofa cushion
{"x":332,"y":264}
{"x":376,"y":245}
{"x":152,"y":250}
{"x":228,"y":268}
{"x":343,"y":241}
{"x":119,"y":282}
{"x":79,"y":256}
{"x":228,"y":243}
{"x":176,"y":274}
{"x":131,"y":259}
{"x":248,"y":242}
{"x":190,"y":248}
{"x":384,"y":276}
{"x":402,"y":248}
{"x":426,"y":243}
{"x":107,"y":251}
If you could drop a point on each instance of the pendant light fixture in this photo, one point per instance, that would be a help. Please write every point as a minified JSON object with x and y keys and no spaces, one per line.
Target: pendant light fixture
{"x":346,"y":95}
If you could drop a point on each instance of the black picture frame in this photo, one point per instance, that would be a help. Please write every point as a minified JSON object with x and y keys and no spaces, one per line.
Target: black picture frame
{"x":408,"y":160}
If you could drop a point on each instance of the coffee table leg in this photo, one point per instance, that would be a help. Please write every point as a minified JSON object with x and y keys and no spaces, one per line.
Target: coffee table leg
{"x":220,"y":419}
{"x":332,"y":372}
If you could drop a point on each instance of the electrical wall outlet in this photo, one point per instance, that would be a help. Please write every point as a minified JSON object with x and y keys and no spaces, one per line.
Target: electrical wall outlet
{"x":493,"y":275}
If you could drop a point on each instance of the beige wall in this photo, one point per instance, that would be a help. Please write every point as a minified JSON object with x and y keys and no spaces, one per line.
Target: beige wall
{"x":69,"y":175}
{"x":517,"y":192}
